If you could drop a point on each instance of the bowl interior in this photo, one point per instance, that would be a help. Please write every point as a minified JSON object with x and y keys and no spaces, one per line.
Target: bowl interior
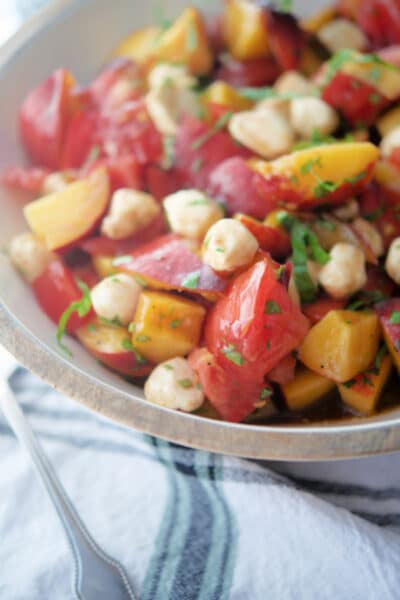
{"x":62,"y":37}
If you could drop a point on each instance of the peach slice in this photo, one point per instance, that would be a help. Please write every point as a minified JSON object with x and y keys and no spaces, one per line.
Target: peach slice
{"x":66,"y":216}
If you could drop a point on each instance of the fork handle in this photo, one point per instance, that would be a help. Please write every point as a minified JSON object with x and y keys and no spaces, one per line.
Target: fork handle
{"x":88,"y":557}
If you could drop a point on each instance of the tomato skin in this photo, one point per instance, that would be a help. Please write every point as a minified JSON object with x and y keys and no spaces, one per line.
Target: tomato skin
{"x":286,"y":39}
{"x":391,"y":54}
{"x":160,"y":183}
{"x":87,"y":274}
{"x":26,"y":179}
{"x":233,"y":398}
{"x":216,"y":148}
{"x":377,"y":280}
{"x":270,"y":239}
{"x":120,"y":69}
{"x":43,"y":118}
{"x":103,"y":246}
{"x":240,"y":189}
{"x":384,"y":211}
{"x":250,"y":73}
{"x":352,"y":97}
{"x":55,"y":289}
{"x":380,"y":20}
{"x":283,"y":372}
{"x":319,"y":309}
{"x":80,"y":138}
{"x":257,"y":318}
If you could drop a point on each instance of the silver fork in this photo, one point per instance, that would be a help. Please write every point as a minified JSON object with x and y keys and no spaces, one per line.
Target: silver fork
{"x":97,"y":576}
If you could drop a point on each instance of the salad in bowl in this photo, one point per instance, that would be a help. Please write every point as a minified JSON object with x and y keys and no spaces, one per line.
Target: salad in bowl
{"x":217,"y":214}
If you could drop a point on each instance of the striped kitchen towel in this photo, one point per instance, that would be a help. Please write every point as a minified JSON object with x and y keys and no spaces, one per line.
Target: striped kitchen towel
{"x":193,"y":525}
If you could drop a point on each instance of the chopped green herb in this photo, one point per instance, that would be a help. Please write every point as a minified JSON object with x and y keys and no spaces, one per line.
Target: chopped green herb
{"x":294,"y":179}
{"x":176,"y":323}
{"x":316,"y":140}
{"x":127,"y":345}
{"x":374,"y":215}
{"x":121,"y":260}
{"x":308,"y":166}
{"x":81,"y":307}
{"x":366,"y":380}
{"x":375,"y":74}
{"x":280,"y":270}
{"x":325,"y":224}
{"x":132,"y":327}
{"x":168,"y":367}
{"x":325,"y":187}
{"x":142,"y":338}
{"x":192,"y":280}
{"x":92,"y":327}
{"x":220,"y":124}
{"x":115,"y":322}
{"x":345,"y":55}
{"x":395,"y":317}
{"x":233,"y":355}
{"x":284,"y":5}
{"x":219,"y":250}
{"x":272,"y":308}
{"x":356,"y":178}
{"x":374,"y":98}
{"x":263,"y":93}
{"x":142,"y":282}
{"x":357,"y":305}
{"x":350,"y":383}
{"x":379,"y":358}
{"x":199,"y":202}
{"x":169,"y":151}
{"x":265,"y":393}
{"x":186,"y":383}
{"x":92,"y":156}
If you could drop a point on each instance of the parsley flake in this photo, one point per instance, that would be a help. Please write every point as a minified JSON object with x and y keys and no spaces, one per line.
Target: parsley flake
{"x":272,"y":308}
{"x":192,"y":280}
{"x":80,"y":307}
{"x":265,"y":393}
{"x":220,"y":124}
{"x":185,"y":383}
{"x":395,"y":317}
{"x":233,"y":355}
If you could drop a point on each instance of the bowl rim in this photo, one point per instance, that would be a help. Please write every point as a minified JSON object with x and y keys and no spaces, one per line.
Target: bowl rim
{"x":325,"y":441}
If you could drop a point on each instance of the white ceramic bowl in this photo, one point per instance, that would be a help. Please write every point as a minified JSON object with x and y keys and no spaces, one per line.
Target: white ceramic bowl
{"x":80,"y":35}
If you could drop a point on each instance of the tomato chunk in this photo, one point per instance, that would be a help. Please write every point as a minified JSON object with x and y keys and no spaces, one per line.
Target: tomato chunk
{"x":233,"y":398}
{"x":26,"y":179}
{"x":55,"y":289}
{"x":320,"y":308}
{"x":255,"y":324}
{"x":43,"y":118}
{"x":380,"y":19}
{"x":250,"y":73}
{"x":161,"y":183}
{"x":240,"y":189}
{"x":270,"y":239}
{"x":199,"y":149}
{"x":286,"y":39}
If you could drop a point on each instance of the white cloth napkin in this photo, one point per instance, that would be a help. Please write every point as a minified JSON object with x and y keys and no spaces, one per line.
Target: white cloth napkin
{"x":193,"y":525}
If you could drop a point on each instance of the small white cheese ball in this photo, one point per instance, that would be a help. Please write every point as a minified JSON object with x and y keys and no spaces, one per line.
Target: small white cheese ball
{"x":280,"y":105}
{"x":228,"y":246}
{"x":294,"y":82}
{"x":308,"y":115}
{"x":392,"y":264}
{"x":29,"y":255}
{"x":369,"y":233}
{"x":266,"y":132}
{"x":347,"y":211}
{"x":342,"y":33}
{"x":191,"y":213}
{"x":345,"y":273}
{"x":167,"y":104}
{"x":174,"y":384}
{"x":116,"y":297}
{"x":130,"y":211}
{"x":389,"y":142}
{"x":165,"y":73}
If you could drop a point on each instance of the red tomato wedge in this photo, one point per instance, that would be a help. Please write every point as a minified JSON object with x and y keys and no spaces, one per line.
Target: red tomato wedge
{"x":284,"y":370}
{"x":103,"y":88}
{"x":382,"y":210}
{"x":380,"y":19}
{"x":161,"y":183}
{"x":271,"y":239}
{"x":199,"y":148}
{"x":359,"y":102}
{"x":104,"y":246}
{"x":43,"y":118}
{"x":168,"y":263}
{"x":233,"y":398}
{"x":240,"y":188}
{"x":250,"y":73}
{"x":123,"y":172}
{"x":55,"y":289}
{"x":320,"y":308}
{"x":26,"y":179}
{"x":286,"y":39}
{"x":391,"y":54}
{"x":255,"y":324}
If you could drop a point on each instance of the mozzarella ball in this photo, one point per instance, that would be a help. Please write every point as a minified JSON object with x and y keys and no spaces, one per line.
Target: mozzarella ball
{"x":280,"y":105}
{"x":174,"y":384}
{"x":370,"y":235}
{"x":167,"y":104}
{"x":191,"y":213}
{"x":116,"y":297}
{"x":308,"y":115}
{"x":29,"y":255}
{"x":389,"y":142}
{"x":228,"y":246}
{"x":392,"y":264}
{"x":342,"y":33}
{"x":347,"y":211}
{"x":293,"y":82}
{"x":130,"y":211}
{"x":169,"y":73}
{"x":345,"y":273}
{"x":266,"y":132}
